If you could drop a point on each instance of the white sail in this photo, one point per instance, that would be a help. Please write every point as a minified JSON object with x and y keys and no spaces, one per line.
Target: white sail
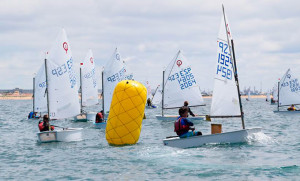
{"x":248,"y":95}
{"x":225,"y":100}
{"x":40,"y":97}
{"x":113,"y":72}
{"x":289,"y":89}
{"x":89,"y":83}
{"x":148,"y":87}
{"x":157,"y":96}
{"x":62,"y":83}
{"x":180,"y":84}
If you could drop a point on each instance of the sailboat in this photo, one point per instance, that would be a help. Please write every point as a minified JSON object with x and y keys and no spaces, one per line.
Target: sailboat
{"x":226,"y":100}
{"x":179,"y":85}
{"x":88,"y":85}
{"x":288,"y":92}
{"x":62,"y":92}
{"x":248,"y":97}
{"x":149,"y":96}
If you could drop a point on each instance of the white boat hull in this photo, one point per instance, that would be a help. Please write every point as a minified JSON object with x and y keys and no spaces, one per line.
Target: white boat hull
{"x":66,"y":135}
{"x":196,"y":141}
{"x":100,"y":125}
{"x":174,"y":117}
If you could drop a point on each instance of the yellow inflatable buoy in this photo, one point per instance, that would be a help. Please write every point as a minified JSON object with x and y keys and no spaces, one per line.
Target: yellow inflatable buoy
{"x":126,"y":113}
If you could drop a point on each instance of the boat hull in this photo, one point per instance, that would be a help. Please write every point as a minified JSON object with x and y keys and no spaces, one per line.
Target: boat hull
{"x":100,"y":125}
{"x":151,"y":107}
{"x":174,"y":117}
{"x":196,"y":141}
{"x":66,"y":135}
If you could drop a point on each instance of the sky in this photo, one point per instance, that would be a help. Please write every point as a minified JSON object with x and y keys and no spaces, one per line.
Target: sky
{"x":149,"y":33}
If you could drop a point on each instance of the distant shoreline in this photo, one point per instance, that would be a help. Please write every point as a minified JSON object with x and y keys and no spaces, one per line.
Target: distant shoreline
{"x":29,"y":97}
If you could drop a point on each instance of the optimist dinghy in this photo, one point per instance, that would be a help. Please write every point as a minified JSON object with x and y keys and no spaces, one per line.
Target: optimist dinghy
{"x":179,"y":85}
{"x":61,"y":89}
{"x":88,"y":86}
{"x":288,"y":92}
{"x":226,"y":101}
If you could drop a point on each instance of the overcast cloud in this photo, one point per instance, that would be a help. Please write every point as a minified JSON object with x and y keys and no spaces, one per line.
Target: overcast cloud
{"x":148,"y":34}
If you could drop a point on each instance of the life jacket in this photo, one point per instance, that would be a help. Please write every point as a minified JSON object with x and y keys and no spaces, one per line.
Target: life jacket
{"x":179,"y":128}
{"x":99,"y":117}
{"x":44,"y":128}
{"x":291,"y":109}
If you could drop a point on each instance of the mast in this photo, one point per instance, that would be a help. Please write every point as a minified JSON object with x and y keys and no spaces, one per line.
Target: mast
{"x":232,"y":54}
{"x":278,"y":96}
{"x":47,"y":89}
{"x":103,"y":95}
{"x":163,"y":92}
{"x":33,"y":103}
{"x":80,"y":90}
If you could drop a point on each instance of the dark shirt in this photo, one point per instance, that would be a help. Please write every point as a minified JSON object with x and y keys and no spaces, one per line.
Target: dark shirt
{"x":191,"y":113}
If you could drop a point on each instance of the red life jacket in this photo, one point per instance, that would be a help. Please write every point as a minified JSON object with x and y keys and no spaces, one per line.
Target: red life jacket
{"x":44,"y":128}
{"x":180,"y":129}
{"x":99,"y":117}
{"x":41,"y":126}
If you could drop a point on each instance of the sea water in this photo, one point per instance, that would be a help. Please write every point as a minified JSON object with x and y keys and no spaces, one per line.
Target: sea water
{"x":271,"y":155}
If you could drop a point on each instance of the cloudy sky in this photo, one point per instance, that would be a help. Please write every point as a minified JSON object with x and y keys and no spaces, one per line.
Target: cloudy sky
{"x":148,"y":34}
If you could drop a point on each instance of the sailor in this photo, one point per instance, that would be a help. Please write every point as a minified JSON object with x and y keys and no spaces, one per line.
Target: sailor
{"x":99,"y":117}
{"x":272,"y":100}
{"x":182,"y":125}
{"x":31,"y":115}
{"x":292,"y":108}
{"x":186,"y":103}
{"x":45,"y":125}
{"x":149,"y":103}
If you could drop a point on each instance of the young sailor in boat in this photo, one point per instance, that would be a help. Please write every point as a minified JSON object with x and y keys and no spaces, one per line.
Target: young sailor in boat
{"x":186,"y":103}
{"x":149,"y":103}
{"x":99,"y":117}
{"x":272,"y":100}
{"x":183,"y":126}
{"x":292,"y":108}
{"x":31,"y":115}
{"x":45,"y":125}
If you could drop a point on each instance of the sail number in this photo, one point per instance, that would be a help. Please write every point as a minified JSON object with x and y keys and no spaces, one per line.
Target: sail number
{"x":66,"y":68}
{"x":43,"y":84}
{"x":185,"y":78}
{"x":91,"y":74}
{"x":117,"y":76}
{"x":293,"y":84}
{"x":224,"y":67}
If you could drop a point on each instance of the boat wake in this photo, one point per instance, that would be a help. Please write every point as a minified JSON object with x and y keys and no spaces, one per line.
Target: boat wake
{"x":260,"y":137}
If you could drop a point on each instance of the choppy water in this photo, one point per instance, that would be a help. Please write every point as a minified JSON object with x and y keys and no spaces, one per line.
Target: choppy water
{"x":274,"y":155}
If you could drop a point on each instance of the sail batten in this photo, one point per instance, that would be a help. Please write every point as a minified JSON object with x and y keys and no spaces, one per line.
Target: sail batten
{"x":180,"y":84}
